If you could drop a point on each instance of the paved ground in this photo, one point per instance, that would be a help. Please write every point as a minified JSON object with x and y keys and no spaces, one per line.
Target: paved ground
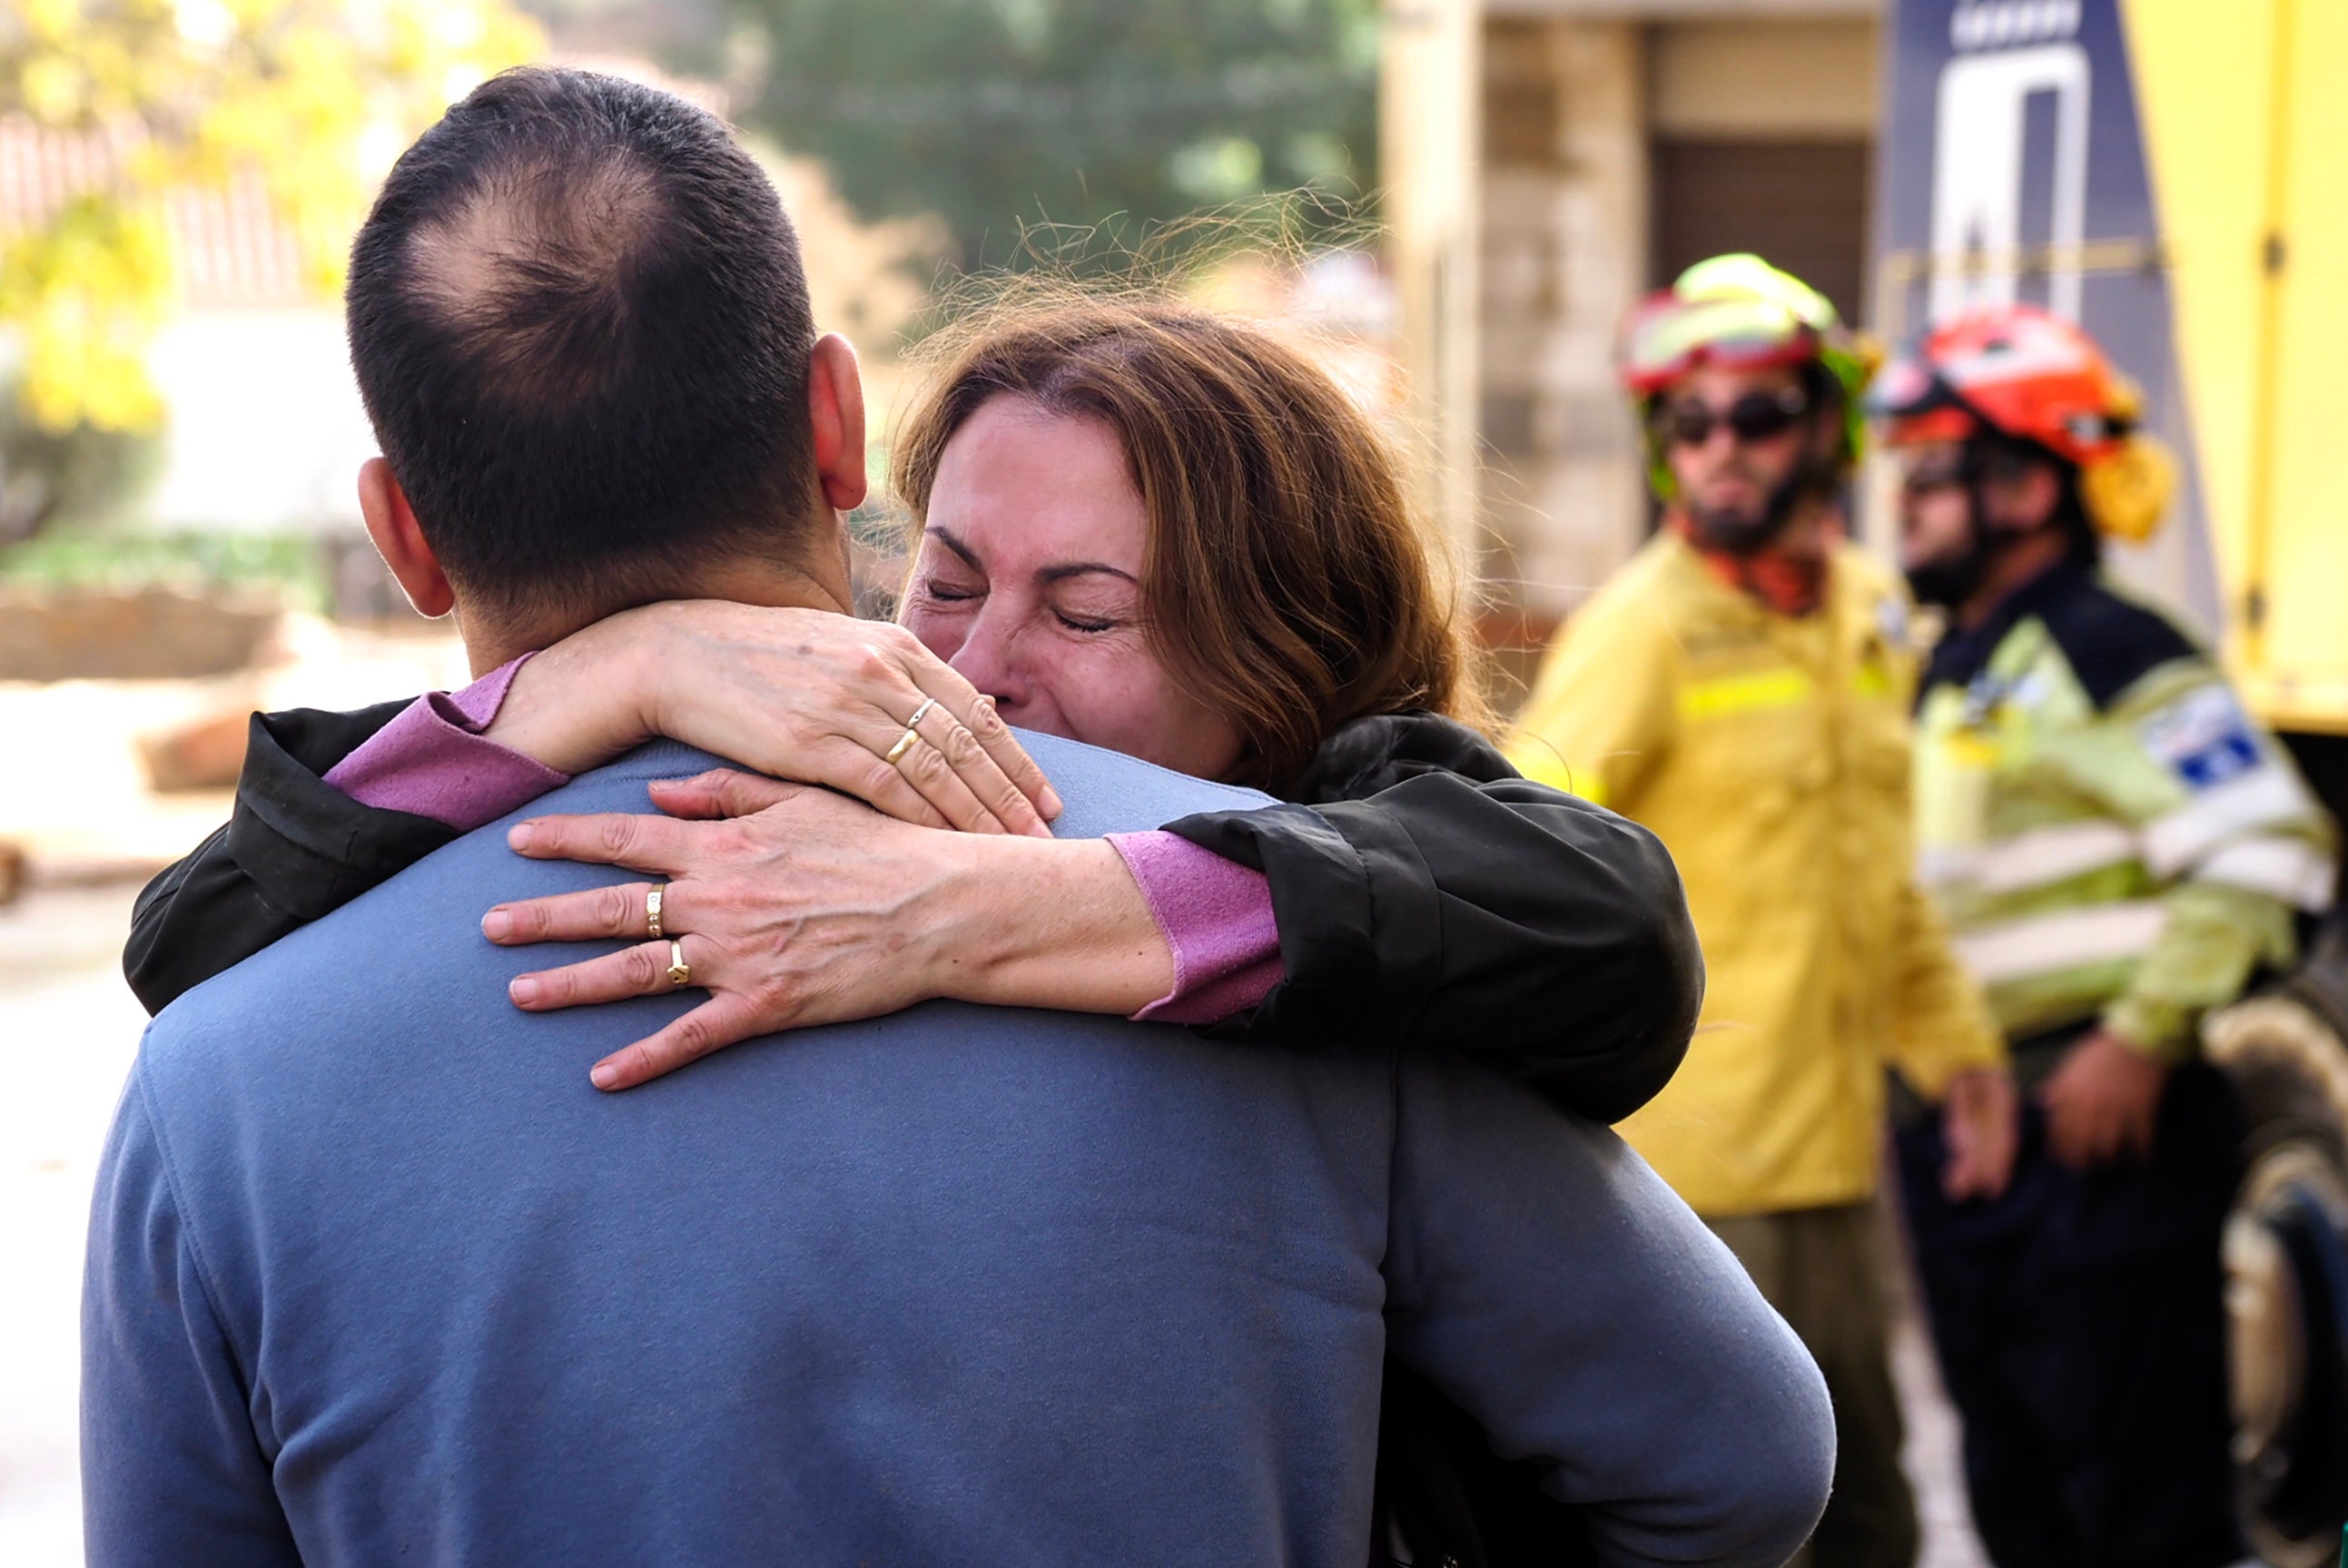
{"x":1932,"y":1457}
{"x":74,"y":795}
{"x":67,"y":1030}
{"x":84,"y":808}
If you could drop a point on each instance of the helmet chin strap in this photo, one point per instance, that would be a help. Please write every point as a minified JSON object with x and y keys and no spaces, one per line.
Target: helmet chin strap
{"x":1950,"y":583}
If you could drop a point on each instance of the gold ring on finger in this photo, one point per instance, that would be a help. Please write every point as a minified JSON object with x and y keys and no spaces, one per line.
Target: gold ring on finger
{"x":653,"y":896}
{"x":905,"y":743}
{"x":680,"y":973}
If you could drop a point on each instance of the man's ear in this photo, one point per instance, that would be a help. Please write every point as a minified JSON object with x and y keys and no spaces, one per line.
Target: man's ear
{"x":391,"y":523}
{"x":835,"y":417}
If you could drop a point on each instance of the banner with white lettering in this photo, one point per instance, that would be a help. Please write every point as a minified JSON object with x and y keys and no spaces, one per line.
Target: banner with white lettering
{"x":2012,"y":168}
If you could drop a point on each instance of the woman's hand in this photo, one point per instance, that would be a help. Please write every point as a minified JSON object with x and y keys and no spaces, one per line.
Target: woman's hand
{"x":800,"y":907}
{"x":804,"y":695}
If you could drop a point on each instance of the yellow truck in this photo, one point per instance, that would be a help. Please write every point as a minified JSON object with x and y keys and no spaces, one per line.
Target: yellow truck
{"x":2167,"y":173}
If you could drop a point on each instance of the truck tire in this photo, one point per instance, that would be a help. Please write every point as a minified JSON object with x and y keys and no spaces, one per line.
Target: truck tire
{"x":2286,"y":1258}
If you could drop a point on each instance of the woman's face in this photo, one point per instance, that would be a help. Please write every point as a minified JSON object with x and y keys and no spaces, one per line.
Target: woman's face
{"x":1029,"y":583}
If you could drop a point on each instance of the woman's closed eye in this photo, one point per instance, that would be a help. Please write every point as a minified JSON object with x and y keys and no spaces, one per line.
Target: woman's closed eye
{"x":938,"y":591}
{"x":1092,"y":602}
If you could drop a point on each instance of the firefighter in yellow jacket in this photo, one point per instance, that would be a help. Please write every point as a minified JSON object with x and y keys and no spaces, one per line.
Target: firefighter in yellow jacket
{"x":1742,"y":688}
{"x":2118,"y":848}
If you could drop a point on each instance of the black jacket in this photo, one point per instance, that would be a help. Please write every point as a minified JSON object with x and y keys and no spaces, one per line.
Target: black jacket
{"x":1424,"y":895}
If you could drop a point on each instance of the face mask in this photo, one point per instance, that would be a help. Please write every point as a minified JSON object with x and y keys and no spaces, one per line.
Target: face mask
{"x":1948,"y":584}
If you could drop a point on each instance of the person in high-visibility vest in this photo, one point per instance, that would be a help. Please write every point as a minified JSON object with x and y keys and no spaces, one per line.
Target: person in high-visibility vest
{"x":1741,"y":688}
{"x":2119,"y":847}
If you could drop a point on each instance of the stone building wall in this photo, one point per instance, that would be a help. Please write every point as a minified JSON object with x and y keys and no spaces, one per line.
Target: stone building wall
{"x":1614,"y":135}
{"x":1564,"y":227}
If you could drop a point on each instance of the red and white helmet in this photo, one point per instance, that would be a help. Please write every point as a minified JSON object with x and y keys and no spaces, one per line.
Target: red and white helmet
{"x":2017,"y":371}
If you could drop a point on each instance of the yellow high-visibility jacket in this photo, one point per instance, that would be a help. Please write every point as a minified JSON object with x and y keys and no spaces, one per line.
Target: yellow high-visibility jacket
{"x":1771,"y":754}
{"x":2108,"y":832}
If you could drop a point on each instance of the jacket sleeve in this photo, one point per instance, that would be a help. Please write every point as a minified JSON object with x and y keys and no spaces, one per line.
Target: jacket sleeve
{"x":1603,"y":708}
{"x":294,"y":848}
{"x":2232,"y":838}
{"x":1544,"y":1279}
{"x":2212,"y":940}
{"x":1942,"y":1022}
{"x":1475,"y":911}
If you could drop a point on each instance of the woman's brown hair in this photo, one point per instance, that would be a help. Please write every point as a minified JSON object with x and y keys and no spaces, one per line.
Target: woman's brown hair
{"x":1285,"y":581}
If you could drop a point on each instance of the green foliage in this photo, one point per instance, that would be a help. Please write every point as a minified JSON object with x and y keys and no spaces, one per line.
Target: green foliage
{"x":1105,"y":115}
{"x":287,"y":564}
{"x":84,"y":473}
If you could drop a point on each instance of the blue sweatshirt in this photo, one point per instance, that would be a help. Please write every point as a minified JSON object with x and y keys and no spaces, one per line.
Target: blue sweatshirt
{"x":376,"y":1277}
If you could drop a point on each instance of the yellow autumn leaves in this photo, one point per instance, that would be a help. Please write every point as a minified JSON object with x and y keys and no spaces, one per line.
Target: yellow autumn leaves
{"x":311,"y":98}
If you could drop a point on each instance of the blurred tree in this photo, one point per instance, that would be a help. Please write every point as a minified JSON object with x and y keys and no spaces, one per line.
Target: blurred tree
{"x":998,"y":114}
{"x":79,"y":474}
{"x":313,"y":97}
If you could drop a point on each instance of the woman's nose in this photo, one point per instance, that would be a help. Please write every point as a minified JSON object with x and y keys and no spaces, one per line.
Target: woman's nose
{"x":989,"y":660}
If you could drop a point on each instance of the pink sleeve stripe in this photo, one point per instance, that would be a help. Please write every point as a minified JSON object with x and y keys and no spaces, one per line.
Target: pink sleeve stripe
{"x":432,"y":760}
{"x":1217,"y":917}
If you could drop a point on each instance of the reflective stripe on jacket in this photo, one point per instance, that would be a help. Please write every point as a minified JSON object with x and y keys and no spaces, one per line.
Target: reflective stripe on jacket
{"x":1771,"y":755}
{"x":2105,"y":828}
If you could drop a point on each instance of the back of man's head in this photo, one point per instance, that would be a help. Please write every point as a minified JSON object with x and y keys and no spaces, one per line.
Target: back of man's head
{"x":581,"y":326}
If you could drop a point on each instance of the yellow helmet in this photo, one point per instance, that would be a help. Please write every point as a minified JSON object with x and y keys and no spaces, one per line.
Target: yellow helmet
{"x":1738,"y":311}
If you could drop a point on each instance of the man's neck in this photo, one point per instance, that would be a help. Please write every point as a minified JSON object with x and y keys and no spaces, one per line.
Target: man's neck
{"x":2011,"y":571}
{"x":1787,"y":575}
{"x":493,"y":640}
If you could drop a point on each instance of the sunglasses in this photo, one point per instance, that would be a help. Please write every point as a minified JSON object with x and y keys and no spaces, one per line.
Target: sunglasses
{"x":1755,"y":417}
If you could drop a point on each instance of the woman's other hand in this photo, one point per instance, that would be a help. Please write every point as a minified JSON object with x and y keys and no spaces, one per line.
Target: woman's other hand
{"x":812,"y":909}
{"x":720,"y":793}
{"x":804,"y":695}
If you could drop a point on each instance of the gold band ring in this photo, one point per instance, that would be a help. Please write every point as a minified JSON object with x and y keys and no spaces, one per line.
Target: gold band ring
{"x":653,"y":896}
{"x":680,"y":973}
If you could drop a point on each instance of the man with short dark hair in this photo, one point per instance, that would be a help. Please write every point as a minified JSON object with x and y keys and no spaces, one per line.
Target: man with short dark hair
{"x":375,"y":1276}
{"x":572,"y":314}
